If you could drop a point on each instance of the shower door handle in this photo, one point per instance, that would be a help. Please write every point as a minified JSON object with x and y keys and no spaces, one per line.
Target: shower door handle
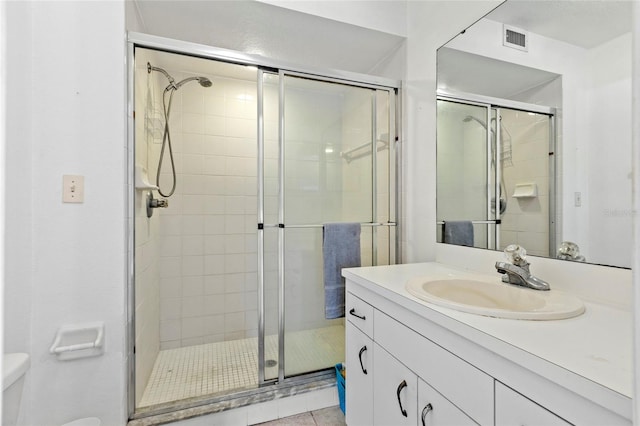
{"x":362,"y":350}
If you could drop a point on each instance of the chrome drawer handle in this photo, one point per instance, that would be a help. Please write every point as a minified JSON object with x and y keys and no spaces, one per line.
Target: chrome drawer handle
{"x":426,"y":410}
{"x":353,"y":312}
{"x":364,"y":348}
{"x":400,"y":387}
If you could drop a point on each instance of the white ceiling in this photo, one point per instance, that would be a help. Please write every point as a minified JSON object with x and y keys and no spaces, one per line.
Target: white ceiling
{"x":583,"y":23}
{"x":270,"y":31}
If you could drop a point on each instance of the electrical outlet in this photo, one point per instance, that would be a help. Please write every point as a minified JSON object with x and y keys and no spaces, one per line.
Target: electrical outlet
{"x":577,"y":199}
{"x":72,"y":189}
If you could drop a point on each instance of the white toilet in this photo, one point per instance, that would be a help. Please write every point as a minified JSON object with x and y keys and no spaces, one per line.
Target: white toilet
{"x":13,"y":370}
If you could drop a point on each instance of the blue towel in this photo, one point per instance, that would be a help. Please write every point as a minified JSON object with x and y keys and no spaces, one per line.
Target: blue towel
{"x":340,"y":249}
{"x":459,"y":233}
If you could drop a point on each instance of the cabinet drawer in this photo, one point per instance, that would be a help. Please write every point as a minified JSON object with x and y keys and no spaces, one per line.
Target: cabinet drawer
{"x":359,"y":383}
{"x":436,"y":410}
{"x":465,"y":386}
{"x":515,"y":409}
{"x":359,"y":313}
{"x":395,"y":392}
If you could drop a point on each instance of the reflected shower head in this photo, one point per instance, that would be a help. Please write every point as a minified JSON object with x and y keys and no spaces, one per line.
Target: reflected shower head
{"x":468,"y":118}
{"x":204,"y":81}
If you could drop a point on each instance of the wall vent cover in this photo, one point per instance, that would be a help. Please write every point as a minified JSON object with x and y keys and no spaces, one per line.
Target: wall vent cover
{"x":515,"y":37}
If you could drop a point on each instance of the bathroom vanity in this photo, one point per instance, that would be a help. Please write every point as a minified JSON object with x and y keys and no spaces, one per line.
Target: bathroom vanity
{"x":410,"y":362}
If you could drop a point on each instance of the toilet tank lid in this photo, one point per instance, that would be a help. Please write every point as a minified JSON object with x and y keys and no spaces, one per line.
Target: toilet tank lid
{"x":13,"y":367}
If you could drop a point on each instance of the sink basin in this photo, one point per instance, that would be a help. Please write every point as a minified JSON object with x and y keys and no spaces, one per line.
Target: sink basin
{"x":497,"y":299}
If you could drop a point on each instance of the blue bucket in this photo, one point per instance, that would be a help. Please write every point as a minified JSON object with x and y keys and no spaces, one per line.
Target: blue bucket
{"x":341,"y":386}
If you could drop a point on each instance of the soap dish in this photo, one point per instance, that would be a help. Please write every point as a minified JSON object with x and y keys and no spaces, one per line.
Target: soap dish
{"x":525,"y":190}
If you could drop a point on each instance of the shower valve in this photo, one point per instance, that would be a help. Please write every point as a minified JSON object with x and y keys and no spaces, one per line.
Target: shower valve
{"x":153,"y":203}
{"x":156,"y":203}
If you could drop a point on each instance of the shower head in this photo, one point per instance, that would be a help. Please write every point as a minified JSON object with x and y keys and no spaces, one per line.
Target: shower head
{"x":468,"y":118}
{"x":204,"y":81}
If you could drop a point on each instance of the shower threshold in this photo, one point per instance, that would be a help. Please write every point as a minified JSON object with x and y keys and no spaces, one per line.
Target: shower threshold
{"x":219,"y":376}
{"x":199,"y":406}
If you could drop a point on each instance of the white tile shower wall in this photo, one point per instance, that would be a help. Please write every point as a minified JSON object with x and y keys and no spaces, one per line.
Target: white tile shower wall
{"x":208,"y":290}
{"x":148,"y":131}
{"x":526,"y":220}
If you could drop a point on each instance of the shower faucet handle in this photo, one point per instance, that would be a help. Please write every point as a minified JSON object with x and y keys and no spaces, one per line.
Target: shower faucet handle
{"x":159,"y":203}
{"x":154,"y":203}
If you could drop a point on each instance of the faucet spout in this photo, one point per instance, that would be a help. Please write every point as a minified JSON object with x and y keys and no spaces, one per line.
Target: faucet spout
{"x":520,"y":275}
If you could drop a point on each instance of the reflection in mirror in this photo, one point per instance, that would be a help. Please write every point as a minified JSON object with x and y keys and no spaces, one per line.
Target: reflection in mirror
{"x":560,"y":95}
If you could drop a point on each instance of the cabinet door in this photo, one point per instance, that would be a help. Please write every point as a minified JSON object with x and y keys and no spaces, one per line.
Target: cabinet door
{"x":395,"y":393}
{"x":436,"y":410}
{"x":515,"y":409}
{"x":359,"y":381}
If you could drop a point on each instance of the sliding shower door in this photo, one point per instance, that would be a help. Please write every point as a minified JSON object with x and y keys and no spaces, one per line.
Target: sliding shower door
{"x":465,"y":178}
{"x":496,"y":175}
{"x":331,"y":162}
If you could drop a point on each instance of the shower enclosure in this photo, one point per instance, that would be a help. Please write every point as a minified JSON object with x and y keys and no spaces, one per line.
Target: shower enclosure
{"x":227,"y":284}
{"x":496,"y":169}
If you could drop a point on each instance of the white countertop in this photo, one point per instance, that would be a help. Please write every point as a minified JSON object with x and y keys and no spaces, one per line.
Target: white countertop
{"x":596,"y":345}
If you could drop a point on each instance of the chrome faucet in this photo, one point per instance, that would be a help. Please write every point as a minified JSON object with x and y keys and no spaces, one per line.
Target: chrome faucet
{"x":517,"y":272}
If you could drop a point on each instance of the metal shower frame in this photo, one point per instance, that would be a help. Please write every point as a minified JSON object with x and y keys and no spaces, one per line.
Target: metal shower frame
{"x":490,"y":103}
{"x":282,"y":69}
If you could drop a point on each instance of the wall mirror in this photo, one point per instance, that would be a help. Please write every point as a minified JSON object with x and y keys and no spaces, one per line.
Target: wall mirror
{"x":534,"y":131}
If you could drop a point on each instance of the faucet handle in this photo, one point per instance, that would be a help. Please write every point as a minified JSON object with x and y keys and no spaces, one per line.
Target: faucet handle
{"x":516,"y":254}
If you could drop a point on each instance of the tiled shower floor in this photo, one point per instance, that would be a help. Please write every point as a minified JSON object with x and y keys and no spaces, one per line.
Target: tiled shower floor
{"x":220,"y":367}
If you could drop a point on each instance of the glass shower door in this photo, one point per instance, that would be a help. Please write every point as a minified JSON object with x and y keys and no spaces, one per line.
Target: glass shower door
{"x":465,"y":177}
{"x":322,"y":120}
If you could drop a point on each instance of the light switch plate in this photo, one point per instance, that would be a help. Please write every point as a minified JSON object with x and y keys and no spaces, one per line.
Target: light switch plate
{"x":72,"y":189}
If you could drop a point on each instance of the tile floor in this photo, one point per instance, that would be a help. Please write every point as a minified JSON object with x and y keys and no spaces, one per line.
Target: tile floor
{"x":220,"y":367}
{"x":331,"y":416}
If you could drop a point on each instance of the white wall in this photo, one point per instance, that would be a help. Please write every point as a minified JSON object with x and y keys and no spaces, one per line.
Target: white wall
{"x":68,"y":266}
{"x":609,"y":144}
{"x":18,"y":200}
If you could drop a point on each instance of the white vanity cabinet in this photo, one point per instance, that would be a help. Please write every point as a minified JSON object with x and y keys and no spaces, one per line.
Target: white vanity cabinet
{"x":395,"y":393}
{"x":359,"y":362}
{"x":438,"y":370}
{"x":515,"y":409}
{"x":393,"y":374}
{"x":436,"y":410}
{"x":359,"y":382}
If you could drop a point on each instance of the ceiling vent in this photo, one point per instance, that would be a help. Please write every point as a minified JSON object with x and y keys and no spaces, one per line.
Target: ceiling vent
{"x":515,"y":37}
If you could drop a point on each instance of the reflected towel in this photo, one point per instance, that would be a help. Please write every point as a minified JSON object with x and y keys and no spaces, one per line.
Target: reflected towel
{"x":340,"y":249}
{"x":459,"y":233}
